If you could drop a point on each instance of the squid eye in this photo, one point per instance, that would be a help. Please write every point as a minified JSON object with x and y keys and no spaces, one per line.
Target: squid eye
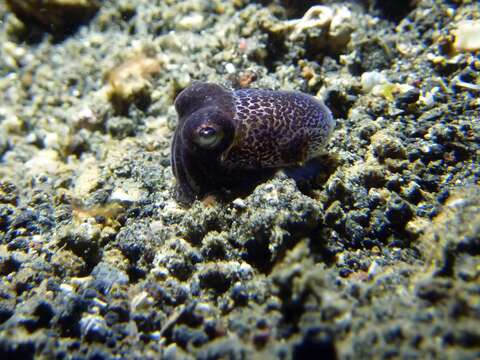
{"x":208,"y":137}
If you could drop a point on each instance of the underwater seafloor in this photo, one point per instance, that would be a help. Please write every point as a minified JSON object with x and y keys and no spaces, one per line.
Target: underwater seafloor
{"x":378,"y":256}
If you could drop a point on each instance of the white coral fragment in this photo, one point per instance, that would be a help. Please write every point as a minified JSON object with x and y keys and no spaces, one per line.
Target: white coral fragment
{"x":335,"y":25}
{"x":317,"y":16}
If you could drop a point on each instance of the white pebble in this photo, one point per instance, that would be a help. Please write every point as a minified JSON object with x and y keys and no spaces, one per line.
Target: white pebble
{"x":371,"y":79}
{"x":467,"y":36}
{"x":230,"y":68}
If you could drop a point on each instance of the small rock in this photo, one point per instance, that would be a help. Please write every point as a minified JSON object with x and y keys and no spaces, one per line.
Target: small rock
{"x":88,"y":178}
{"x":94,"y":328}
{"x":370,"y":79}
{"x":315,"y":341}
{"x":398,"y":211}
{"x":467,"y":36}
{"x":217,"y":279}
{"x":24,"y":219}
{"x":129,"y":192}
{"x":239,"y":294}
{"x":54,"y":15}
{"x":129,"y":82}
{"x":191,"y":22}
{"x":386,"y":146}
{"x":407,"y":98}
{"x":239,"y":203}
{"x":106,"y":275}
{"x":141,"y":301}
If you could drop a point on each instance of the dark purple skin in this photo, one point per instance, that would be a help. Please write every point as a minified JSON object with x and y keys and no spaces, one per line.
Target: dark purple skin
{"x":229,"y":140}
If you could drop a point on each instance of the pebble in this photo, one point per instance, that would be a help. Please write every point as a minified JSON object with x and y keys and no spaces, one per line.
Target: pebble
{"x":94,"y":328}
{"x":239,"y":203}
{"x":191,"y":22}
{"x":467,"y":36}
{"x":54,"y":15}
{"x":141,"y":301}
{"x":407,"y":98}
